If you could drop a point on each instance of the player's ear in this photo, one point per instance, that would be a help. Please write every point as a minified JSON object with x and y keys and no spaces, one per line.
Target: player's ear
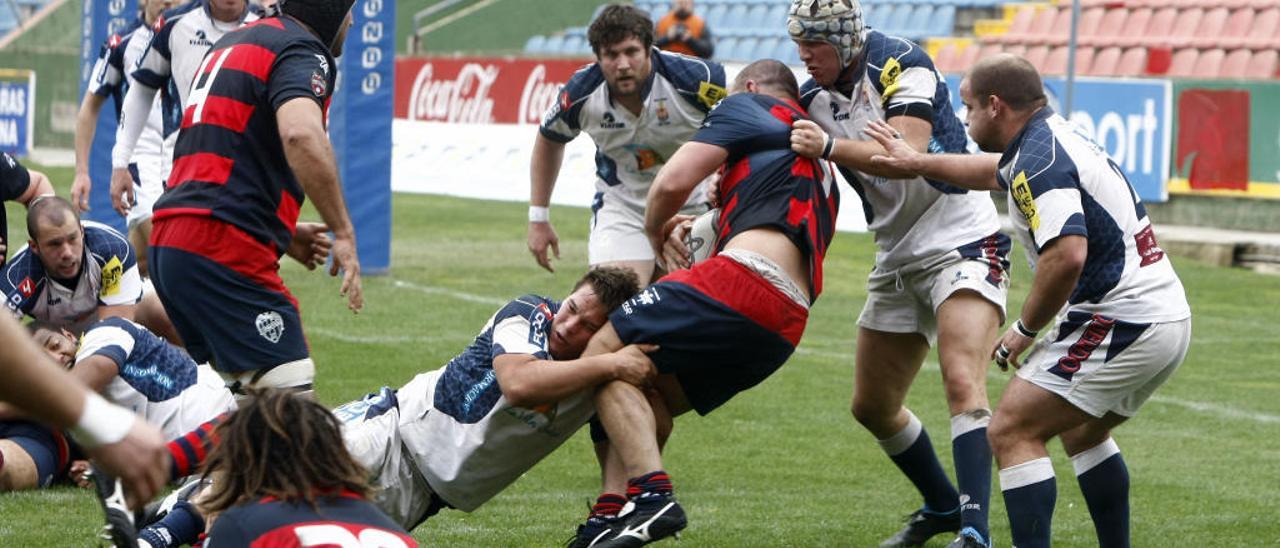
{"x":35,"y":249}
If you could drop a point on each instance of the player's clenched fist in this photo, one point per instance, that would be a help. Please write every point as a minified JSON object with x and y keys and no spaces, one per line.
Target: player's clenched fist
{"x":633,"y":365}
{"x":808,"y":140}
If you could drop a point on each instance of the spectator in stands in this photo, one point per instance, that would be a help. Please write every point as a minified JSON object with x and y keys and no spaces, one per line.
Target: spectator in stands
{"x":681,"y":31}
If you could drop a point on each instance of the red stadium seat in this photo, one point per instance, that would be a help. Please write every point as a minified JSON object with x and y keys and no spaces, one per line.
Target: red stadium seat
{"x":1016,"y":49}
{"x":1105,"y":62}
{"x":947,"y":58}
{"x":1263,"y":65}
{"x":1158,"y":23}
{"x":1236,"y":64}
{"x":1133,"y":62}
{"x":1184,"y":28}
{"x":1209,"y":63}
{"x":1056,"y":63}
{"x":1112,"y":26}
{"x":968,"y":57}
{"x":1184,"y":63}
{"x":988,"y":50}
{"x":1036,"y":55}
{"x":1041,"y":25}
{"x":1235,"y":33}
{"x":1060,"y":31}
{"x":1020,"y":25}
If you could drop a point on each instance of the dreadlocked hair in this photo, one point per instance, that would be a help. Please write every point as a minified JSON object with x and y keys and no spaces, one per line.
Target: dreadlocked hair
{"x":280,"y":445}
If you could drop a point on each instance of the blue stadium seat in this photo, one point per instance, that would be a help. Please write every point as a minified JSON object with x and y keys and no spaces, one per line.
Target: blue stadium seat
{"x":576,"y":31}
{"x":765,"y":49}
{"x":919,"y":23}
{"x":715,"y":17}
{"x":877,"y":15}
{"x":897,"y":20}
{"x":757,"y":17}
{"x":777,"y":16}
{"x":553,"y":45}
{"x":944,"y":21}
{"x":746,"y":48}
{"x":572,"y":45}
{"x":736,"y":18}
{"x":788,"y":53}
{"x":725,"y":46}
{"x":535,"y":44}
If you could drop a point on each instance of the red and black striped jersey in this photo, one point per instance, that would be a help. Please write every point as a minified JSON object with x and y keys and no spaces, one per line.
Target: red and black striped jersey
{"x":229,"y":160}
{"x":765,"y":184}
{"x":344,"y":520}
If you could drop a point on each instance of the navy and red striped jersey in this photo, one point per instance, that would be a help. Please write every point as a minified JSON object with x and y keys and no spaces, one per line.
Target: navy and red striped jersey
{"x":229,"y":161}
{"x":345,"y":520}
{"x":765,"y":184}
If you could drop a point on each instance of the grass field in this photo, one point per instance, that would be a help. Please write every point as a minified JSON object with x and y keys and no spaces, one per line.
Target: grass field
{"x":783,"y":464}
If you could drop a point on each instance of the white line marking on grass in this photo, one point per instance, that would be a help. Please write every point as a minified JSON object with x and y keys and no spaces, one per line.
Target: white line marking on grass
{"x":1216,"y":409}
{"x":363,"y":339}
{"x":448,"y":19}
{"x":460,"y":295}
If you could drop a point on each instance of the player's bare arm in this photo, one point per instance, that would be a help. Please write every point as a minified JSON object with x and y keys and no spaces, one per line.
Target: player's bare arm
{"x":126,"y":311}
{"x":1061,"y":261}
{"x":39,"y":186}
{"x":310,"y":245}
{"x":133,"y":118}
{"x":86,"y":126}
{"x":971,"y":171}
{"x":310,"y":156}
{"x":690,"y":164}
{"x":808,"y":140}
{"x":544,"y":169}
{"x":527,"y":381}
{"x":95,"y":371}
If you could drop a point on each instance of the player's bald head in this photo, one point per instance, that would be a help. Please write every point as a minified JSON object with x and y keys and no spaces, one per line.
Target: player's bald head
{"x":1011,"y":78}
{"x":49,"y":211}
{"x":771,"y":77}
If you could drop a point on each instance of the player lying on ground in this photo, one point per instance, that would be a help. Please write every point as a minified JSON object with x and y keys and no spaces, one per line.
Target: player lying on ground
{"x":729,"y":322}
{"x":457,"y":436}
{"x":72,"y":273}
{"x":1123,"y":325}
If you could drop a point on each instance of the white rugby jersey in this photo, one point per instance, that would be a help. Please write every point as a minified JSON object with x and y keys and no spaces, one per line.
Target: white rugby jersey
{"x":183,"y":35}
{"x":108,"y":277}
{"x":912,"y":219}
{"x":157,"y":380}
{"x":112,"y":77}
{"x":467,"y":441}
{"x":1063,"y":183}
{"x":631,"y":149}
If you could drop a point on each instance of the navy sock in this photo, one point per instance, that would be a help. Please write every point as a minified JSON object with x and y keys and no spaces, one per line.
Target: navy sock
{"x":912,"y":451}
{"x":1104,"y":481}
{"x":654,"y":482}
{"x":972,"y":454}
{"x":1030,"y":493}
{"x":180,"y":527}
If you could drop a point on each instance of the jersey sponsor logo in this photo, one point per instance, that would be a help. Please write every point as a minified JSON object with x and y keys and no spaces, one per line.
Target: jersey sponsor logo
{"x":200,"y":39}
{"x":112,"y":275}
{"x":611,"y":122}
{"x":889,"y":76}
{"x":836,"y":114}
{"x":646,"y":158}
{"x":324,"y":63}
{"x":710,"y":94}
{"x":318,"y":84}
{"x":114,"y":41}
{"x":270,"y":325}
{"x":1095,"y":332}
{"x":27,"y":287}
{"x":14,"y":304}
{"x":660,"y":110}
{"x":1021,"y":193}
{"x":1148,"y":249}
{"x":644,"y":298}
{"x":539,"y":320}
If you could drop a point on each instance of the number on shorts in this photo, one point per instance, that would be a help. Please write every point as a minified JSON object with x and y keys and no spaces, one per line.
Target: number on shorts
{"x":335,"y":535}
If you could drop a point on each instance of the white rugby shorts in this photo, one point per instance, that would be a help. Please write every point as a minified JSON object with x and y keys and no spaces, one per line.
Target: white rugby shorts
{"x":617,"y":231}
{"x":148,"y":185}
{"x":374,"y":441}
{"x":907,"y":300}
{"x":1103,"y":365}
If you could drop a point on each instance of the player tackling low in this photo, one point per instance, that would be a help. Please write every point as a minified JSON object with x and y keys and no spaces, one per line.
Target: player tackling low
{"x":1123,"y":324}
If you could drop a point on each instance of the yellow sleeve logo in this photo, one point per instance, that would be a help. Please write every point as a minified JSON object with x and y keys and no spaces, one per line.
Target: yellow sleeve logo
{"x":1020,"y":191}
{"x":889,"y":77}
{"x":710,"y":94}
{"x":112,"y":273}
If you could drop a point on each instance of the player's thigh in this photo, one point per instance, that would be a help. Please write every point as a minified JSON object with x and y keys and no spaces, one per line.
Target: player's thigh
{"x":885,"y":365}
{"x":968,"y":324}
{"x":1031,"y":413}
{"x":1090,"y":434}
{"x":605,"y":340}
{"x":617,"y":236}
{"x":19,"y":471}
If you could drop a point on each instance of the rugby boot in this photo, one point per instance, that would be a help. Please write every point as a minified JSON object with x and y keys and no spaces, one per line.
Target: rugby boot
{"x":120,"y":529}
{"x":591,"y":533}
{"x":646,"y":518}
{"x":969,"y":538}
{"x":921,"y":526}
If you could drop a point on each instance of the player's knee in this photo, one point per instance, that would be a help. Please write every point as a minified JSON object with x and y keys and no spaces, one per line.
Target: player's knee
{"x":871,"y":413}
{"x":1004,"y":435}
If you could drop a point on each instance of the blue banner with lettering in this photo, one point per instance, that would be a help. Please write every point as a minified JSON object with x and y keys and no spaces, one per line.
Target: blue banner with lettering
{"x":360,"y":128}
{"x":99,"y":20}
{"x":17,"y":112}
{"x":1131,"y":119}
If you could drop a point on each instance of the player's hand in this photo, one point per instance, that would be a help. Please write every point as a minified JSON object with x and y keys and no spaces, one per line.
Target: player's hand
{"x":713,"y":188}
{"x":311,"y":244}
{"x":1009,"y":349}
{"x":899,"y":155}
{"x":79,"y":474}
{"x":807,"y":139}
{"x":122,"y":199}
{"x":140,"y":460}
{"x":541,"y":236}
{"x":346,"y":261}
{"x":80,"y":187}
{"x":674,"y":254}
{"x":633,"y":366}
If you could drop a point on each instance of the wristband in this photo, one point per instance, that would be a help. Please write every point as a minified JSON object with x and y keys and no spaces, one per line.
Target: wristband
{"x":1022,"y":329}
{"x":101,"y":423}
{"x":827,"y":147}
{"x":539,"y":214}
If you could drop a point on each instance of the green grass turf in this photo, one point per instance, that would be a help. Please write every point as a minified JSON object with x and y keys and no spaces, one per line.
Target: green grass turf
{"x":783,"y":464}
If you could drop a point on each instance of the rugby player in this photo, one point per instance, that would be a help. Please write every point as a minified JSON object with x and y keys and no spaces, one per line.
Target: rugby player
{"x":940,"y":274}
{"x":638,"y":104}
{"x":110,"y":78}
{"x":251,"y":149}
{"x":1122,"y":322}
{"x":729,"y":322}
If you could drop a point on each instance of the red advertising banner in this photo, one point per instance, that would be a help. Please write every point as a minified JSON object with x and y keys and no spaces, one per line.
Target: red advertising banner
{"x":479,"y":90}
